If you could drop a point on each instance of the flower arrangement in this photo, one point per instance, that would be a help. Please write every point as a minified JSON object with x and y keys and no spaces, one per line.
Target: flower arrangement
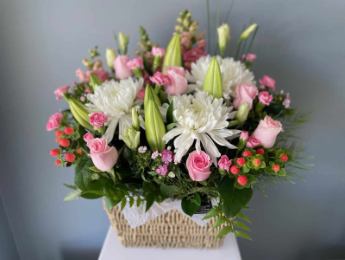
{"x":177,"y":124}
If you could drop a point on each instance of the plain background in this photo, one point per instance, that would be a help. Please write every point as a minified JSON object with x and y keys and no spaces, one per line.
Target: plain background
{"x":300,"y":44}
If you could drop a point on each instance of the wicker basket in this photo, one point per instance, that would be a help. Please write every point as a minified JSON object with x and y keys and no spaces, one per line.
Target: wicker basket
{"x":172,"y":229}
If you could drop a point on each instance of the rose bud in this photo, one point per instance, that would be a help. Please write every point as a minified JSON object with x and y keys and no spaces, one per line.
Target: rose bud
{"x":267,"y":131}
{"x":103,"y":156}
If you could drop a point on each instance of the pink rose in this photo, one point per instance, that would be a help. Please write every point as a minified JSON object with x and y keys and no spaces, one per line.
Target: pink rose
{"x":160,"y":79}
{"x":245,"y":93}
{"x":98,"y":119}
{"x":201,"y":44}
{"x":199,"y":166}
{"x":121,"y":69}
{"x":266,"y":81}
{"x":178,"y":82}
{"x":103,"y":156}
{"x":100,"y":73}
{"x":60,"y":91}
{"x":54,"y":121}
{"x":244,"y":135}
{"x":156,"y":51}
{"x":267,"y":131}
{"x":265,"y":98}
{"x":81,"y":75}
{"x":88,"y":137}
{"x":224,"y":163}
{"x":250,"y":57}
{"x":141,"y":94}
{"x":252,"y":142}
{"x":135,"y":63}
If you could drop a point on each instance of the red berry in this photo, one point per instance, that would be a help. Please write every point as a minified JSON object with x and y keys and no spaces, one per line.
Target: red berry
{"x":247,"y":153}
{"x":260,"y":151}
{"x":276,"y":168}
{"x":234,"y":170}
{"x":257,"y":161}
{"x":241,"y":161}
{"x":59,"y":133}
{"x":242,"y":180}
{"x":70,"y":157}
{"x":64,"y":142}
{"x":57,"y":139}
{"x":55,"y":152}
{"x":284,"y":158}
{"x":57,"y":162}
{"x":79,"y":151}
{"x":69,"y":130}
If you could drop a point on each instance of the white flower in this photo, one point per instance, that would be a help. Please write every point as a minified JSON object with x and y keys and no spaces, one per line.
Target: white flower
{"x":116,"y":100}
{"x":233,"y":74}
{"x":155,"y":155}
{"x":201,"y":118}
{"x":171,"y":175}
{"x":142,"y":149}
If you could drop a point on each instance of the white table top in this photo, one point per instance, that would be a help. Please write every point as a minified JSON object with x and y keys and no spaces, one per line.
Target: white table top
{"x":113,"y":250}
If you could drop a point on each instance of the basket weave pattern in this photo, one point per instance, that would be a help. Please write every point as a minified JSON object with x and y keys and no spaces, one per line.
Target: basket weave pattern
{"x":172,"y":229}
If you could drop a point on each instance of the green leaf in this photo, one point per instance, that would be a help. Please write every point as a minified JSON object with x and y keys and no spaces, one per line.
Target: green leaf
{"x":241,"y":225}
{"x":94,"y":169}
{"x":73,"y":195}
{"x":168,"y":190}
{"x":170,"y":116}
{"x":95,"y":81}
{"x":110,"y":203}
{"x":242,"y":216}
{"x":190,"y":205}
{"x":82,"y":178}
{"x":123,"y":203}
{"x":240,"y":233}
{"x":147,"y":66}
{"x":219,"y":221}
{"x":131,"y":201}
{"x":233,"y":199}
{"x":171,"y":126}
{"x":224,"y":231}
{"x":150,"y":199}
{"x":70,"y":186}
{"x":211,"y":213}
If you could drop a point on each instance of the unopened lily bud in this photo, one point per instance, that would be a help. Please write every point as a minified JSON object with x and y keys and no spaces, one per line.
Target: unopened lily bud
{"x":131,"y":138}
{"x":242,"y":112}
{"x":135,"y":119}
{"x":213,"y":80}
{"x":97,"y":65}
{"x":80,"y":112}
{"x":173,"y":55}
{"x":248,"y":31}
{"x":223,"y":37}
{"x":110,"y":56}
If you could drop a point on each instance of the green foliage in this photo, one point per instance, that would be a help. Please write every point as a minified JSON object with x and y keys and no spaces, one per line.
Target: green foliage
{"x":190,"y":205}
{"x":240,"y":233}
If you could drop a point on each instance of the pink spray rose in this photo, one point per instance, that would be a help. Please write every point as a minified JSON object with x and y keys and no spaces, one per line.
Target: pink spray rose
{"x":54,"y":121}
{"x":100,"y":73}
{"x":178,"y":80}
{"x":121,"y":69}
{"x":160,"y":79}
{"x":244,"y":135}
{"x":199,"y":166}
{"x":267,"y":131}
{"x":265,"y":98}
{"x":224,"y":163}
{"x":60,"y":91}
{"x":245,"y":93}
{"x":88,"y":137}
{"x":81,"y":75}
{"x":267,"y":81}
{"x":135,"y":63}
{"x":98,"y":119}
{"x":103,"y":156}
{"x":141,"y":94}
{"x":249,"y":57}
{"x":252,"y":142}
{"x":156,"y":51}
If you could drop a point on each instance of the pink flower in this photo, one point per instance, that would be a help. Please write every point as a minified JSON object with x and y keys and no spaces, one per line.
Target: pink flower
{"x":267,"y":131}
{"x":141,"y":94}
{"x":201,"y":44}
{"x":103,"y":156}
{"x":135,"y":63}
{"x":224,"y":163}
{"x":252,"y":142}
{"x":121,"y":69}
{"x":100,"y":73}
{"x":265,"y":98}
{"x":250,"y":57}
{"x":156,"y":51}
{"x":60,"y":91}
{"x":162,"y":169}
{"x":167,"y":156}
{"x":199,"y":166}
{"x":287,"y":101}
{"x":245,"y":93}
{"x":192,"y":56}
{"x":266,"y":81}
{"x":88,"y":137}
{"x":154,"y":155}
{"x":98,"y":119}
{"x":160,"y":79}
{"x":244,"y":135}
{"x":54,"y":121}
{"x":81,"y":75}
{"x":178,"y":82}
{"x":186,"y":40}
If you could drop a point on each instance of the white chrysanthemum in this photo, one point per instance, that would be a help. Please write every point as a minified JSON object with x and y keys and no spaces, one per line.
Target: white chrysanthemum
{"x":201,"y":118}
{"x":116,"y":100}
{"x":233,"y":74}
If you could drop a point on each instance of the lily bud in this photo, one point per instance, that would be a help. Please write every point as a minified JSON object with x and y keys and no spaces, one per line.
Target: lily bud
{"x":123,"y":40}
{"x":213,"y":80}
{"x":154,"y":127}
{"x":242,"y":112}
{"x":173,"y":55}
{"x":131,"y":138}
{"x":151,"y":94}
{"x":248,"y":31}
{"x":135,"y":119}
{"x":110,"y":56}
{"x":80,"y":113}
{"x":223,"y":37}
{"x":94,"y":81}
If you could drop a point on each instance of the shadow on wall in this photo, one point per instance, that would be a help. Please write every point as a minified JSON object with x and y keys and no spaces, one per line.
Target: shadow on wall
{"x":73,"y":253}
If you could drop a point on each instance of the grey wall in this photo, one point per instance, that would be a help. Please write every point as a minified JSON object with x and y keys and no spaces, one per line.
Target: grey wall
{"x":300,"y":44}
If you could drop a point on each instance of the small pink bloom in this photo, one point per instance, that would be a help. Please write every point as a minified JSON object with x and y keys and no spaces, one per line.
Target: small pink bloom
{"x":265,"y":98}
{"x":252,"y":142}
{"x":154,"y":155}
{"x":178,"y":82}
{"x":162,"y":169}
{"x":245,"y":93}
{"x":81,"y":75}
{"x":54,"y":121}
{"x":88,"y":137}
{"x":201,"y":44}
{"x":100,"y":73}
{"x":60,"y":91}
{"x":267,"y":81}
{"x":82,"y":98}
{"x":160,"y":79}
{"x":186,"y":40}
{"x":121,"y":69}
{"x":267,"y":131}
{"x":156,"y":51}
{"x":244,"y":135}
{"x":135,"y":63}
{"x":167,"y":156}
{"x":103,"y":156}
{"x":88,"y":91}
{"x":141,"y":94}
{"x":193,"y":55}
{"x":287,"y":101}
{"x":224,"y":163}
{"x":199,"y":166}
{"x":98,"y":119}
{"x":250,"y":57}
